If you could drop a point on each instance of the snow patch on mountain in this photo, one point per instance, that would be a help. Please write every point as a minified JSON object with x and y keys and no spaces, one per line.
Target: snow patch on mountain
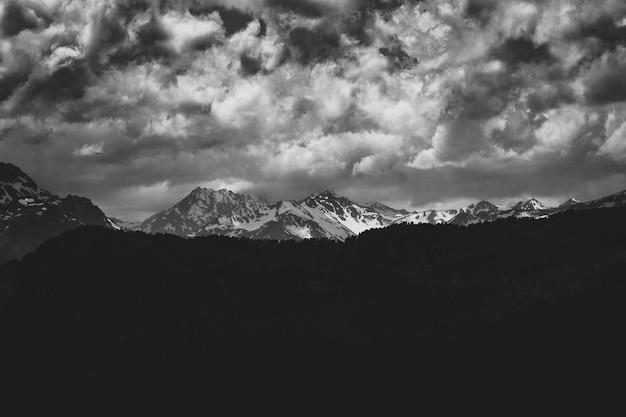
{"x":531,"y":205}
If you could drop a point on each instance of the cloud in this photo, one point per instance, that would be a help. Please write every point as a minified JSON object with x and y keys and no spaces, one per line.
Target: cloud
{"x":16,"y":17}
{"x":425,"y":102}
{"x":89,"y":150}
{"x":606,"y":82}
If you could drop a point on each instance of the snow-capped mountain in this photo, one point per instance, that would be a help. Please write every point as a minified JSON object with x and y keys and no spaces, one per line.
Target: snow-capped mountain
{"x":386,"y":210}
{"x":530,"y":205}
{"x":323,"y":215}
{"x":428,"y":217}
{"x":29,"y":214}
{"x":205,"y":212}
{"x":480,"y":212}
{"x":571,"y":202}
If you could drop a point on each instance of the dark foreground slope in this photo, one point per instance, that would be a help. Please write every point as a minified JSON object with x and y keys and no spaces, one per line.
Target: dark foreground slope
{"x":535,"y":301}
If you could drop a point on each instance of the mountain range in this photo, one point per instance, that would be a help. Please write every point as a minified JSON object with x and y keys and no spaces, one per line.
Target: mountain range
{"x":327,"y":215}
{"x":29,"y":215}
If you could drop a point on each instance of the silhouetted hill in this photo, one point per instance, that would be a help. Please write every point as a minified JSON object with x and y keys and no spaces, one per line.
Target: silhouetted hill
{"x":544,"y":297}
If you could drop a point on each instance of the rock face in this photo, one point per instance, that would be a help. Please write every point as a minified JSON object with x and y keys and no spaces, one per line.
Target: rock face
{"x":480,"y":212}
{"x":324,"y":215}
{"x":29,"y":215}
{"x":206,"y":212}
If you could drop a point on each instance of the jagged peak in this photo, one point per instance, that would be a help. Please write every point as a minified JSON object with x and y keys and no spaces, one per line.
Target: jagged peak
{"x":324,"y":195}
{"x":530,"y":205}
{"x":328,"y":195}
{"x":328,"y":199}
{"x":483,"y":205}
{"x":205,"y":190}
{"x":383,"y":207}
{"x":210,"y":193}
{"x":570,"y":202}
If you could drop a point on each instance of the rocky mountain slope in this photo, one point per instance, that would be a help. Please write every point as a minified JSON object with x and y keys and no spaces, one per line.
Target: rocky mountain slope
{"x":29,"y":215}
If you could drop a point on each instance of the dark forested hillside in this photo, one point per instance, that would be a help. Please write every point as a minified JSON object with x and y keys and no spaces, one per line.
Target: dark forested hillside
{"x":96,"y":300}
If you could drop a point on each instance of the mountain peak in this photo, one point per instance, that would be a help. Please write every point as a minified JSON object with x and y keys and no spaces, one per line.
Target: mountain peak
{"x":325,"y":194}
{"x":482,"y":206}
{"x":570,"y":203}
{"x":17,"y":186}
{"x":531,"y":205}
{"x":386,"y":210}
{"x":326,"y":198}
{"x":203,"y":190}
{"x":222,"y":192}
{"x":203,"y":208}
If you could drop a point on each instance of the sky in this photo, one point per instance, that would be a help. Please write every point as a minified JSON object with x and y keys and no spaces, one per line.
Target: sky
{"x":417,"y":104}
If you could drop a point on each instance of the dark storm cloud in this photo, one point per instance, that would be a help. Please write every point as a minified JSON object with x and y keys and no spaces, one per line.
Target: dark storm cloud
{"x":306,"y":8}
{"x":17,"y":18}
{"x":386,"y":5}
{"x":235,"y":20}
{"x":460,"y":99}
{"x":68,"y":82}
{"x":313,"y":45}
{"x":109,"y":31}
{"x":151,"y":45}
{"x":521,"y":51}
{"x":250,"y":65}
{"x":607,"y":85}
{"x":15,"y":76}
{"x":43,"y":91}
{"x":398,"y":57}
{"x":481,"y":95}
{"x":604,"y":30}
{"x":129,"y":8}
{"x":540,"y":99}
{"x":480,"y":10}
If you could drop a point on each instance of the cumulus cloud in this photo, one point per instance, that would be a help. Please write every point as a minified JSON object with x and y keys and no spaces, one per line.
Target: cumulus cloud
{"x":422,"y":102}
{"x":89,"y":150}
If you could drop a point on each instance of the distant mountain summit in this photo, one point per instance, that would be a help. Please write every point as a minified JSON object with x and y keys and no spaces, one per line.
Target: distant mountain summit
{"x":428,"y":217}
{"x":29,"y":215}
{"x":571,"y":202}
{"x":386,"y":210}
{"x":531,"y":205}
{"x":480,"y":212}
{"x":206,"y":211}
